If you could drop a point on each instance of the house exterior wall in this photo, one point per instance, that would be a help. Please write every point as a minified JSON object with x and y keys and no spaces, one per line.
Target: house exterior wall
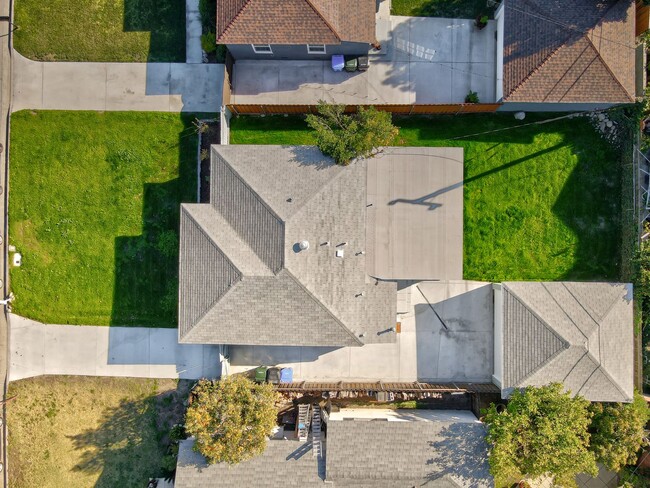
{"x":498,"y":335}
{"x":245,"y":51}
{"x":552,"y":107}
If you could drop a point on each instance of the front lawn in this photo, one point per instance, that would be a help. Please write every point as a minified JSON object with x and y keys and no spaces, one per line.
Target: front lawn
{"x":67,"y":431}
{"x":94,"y":211}
{"x":101,"y":30}
{"x":542,"y":202}
{"x":457,"y":9}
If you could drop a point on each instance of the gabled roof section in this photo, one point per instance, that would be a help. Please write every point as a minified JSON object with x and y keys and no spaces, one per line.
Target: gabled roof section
{"x":295,"y":21}
{"x":579,"y":334}
{"x":569,"y":52}
{"x":259,"y":287}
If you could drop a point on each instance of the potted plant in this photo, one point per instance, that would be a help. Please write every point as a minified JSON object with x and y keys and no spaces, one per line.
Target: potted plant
{"x":481,"y":21}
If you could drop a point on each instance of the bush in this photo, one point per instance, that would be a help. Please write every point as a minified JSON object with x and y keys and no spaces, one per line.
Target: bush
{"x":345,"y":137}
{"x":208,"y":11}
{"x":471,"y":97}
{"x":231,"y":419}
{"x":209,"y":42}
{"x":617,"y":431}
{"x":542,"y":431}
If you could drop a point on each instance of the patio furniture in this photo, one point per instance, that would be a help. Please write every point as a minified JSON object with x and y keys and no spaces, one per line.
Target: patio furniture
{"x":338,"y":62}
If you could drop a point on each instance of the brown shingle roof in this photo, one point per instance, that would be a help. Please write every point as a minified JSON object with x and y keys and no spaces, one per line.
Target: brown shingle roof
{"x":295,"y":21}
{"x":575,"y":51}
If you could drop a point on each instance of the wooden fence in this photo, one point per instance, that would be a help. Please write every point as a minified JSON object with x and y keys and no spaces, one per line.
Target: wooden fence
{"x":415,"y":109}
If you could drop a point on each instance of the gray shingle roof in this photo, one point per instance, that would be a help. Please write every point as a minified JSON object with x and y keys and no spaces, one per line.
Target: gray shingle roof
{"x":580,"y":334}
{"x":242,"y":279}
{"x":417,"y":453}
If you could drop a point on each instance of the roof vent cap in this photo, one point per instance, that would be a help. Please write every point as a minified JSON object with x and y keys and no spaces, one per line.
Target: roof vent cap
{"x":303,"y":245}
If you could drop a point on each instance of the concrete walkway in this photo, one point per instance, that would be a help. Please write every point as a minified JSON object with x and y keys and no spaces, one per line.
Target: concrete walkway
{"x":39,"y":349}
{"x":158,"y":87}
{"x":193,"y":30}
{"x":425,"y":350}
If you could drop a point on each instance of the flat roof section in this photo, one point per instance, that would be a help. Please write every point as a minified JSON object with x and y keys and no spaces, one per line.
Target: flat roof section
{"x":415,"y":214}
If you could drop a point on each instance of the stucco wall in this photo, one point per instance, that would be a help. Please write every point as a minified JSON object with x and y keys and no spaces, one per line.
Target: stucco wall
{"x":245,"y":51}
{"x":498,"y":335}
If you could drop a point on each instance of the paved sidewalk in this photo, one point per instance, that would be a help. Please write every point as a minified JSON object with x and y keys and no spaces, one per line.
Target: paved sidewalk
{"x":193,"y":30}
{"x":158,"y":87}
{"x":42,"y":349}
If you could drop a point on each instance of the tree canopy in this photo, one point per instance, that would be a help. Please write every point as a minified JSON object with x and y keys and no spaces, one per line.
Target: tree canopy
{"x":348,"y":136}
{"x":542,"y":431}
{"x":617,"y":431}
{"x":231,"y":419}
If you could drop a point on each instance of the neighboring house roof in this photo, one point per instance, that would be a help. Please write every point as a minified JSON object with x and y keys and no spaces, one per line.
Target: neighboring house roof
{"x":417,"y":453}
{"x":360,"y":454}
{"x":569,"y":51}
{"x":242,"y":278}
{"x":295,"y":21}
{"x":579,"y":334}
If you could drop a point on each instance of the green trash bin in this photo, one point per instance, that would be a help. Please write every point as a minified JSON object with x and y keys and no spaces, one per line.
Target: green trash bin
{"x":260,"y":374}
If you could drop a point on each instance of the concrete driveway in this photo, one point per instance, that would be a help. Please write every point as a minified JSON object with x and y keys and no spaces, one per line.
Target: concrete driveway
{"x":423,"y":60}
{"x":461,"y":350}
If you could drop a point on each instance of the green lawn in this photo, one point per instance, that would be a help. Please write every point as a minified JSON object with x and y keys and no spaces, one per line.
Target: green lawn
{"x":94,"y":208}
{"x":101,"y":30}
{"x":90,"y":432}
{"x":458,"y":9}
{"x":542,"y":202}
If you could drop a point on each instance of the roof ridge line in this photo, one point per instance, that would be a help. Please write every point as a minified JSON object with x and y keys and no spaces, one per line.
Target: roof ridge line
{"x":232,"y":21}
{"x":320,"y":304}
{"x":606,"y":66}
{"x":564,"y":311}
{"x":329,"y":26}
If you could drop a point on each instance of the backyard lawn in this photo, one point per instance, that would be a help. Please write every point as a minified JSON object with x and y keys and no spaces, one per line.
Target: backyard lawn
{"x":542,"y":202}
{"x":101,"y":30}
{"x":94,"y":209}
{"x":458,"y":9}
{"x":81,"y":432}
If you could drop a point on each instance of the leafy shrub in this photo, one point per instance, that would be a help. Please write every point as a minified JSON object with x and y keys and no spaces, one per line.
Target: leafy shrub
{"x":231,"y":419}
{"x":208,"y":11}
{"x":209,"y":42}
{"x":471,"y":97}
{"x":345,"y":137}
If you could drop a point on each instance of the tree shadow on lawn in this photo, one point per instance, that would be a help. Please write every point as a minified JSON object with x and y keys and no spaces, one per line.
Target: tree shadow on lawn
{"x":129,"y":444}
{"x":165,"y":20}
{"x":146,"y":266}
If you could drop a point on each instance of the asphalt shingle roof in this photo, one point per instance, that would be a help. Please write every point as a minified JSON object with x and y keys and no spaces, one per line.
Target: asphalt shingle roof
{"x":579,"y":334}
{"x":295,"y":21}
{"x":243,"y":279}
{"x":576,"y":51}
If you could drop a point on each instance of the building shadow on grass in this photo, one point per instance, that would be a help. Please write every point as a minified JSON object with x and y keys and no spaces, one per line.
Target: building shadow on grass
{"x":129,"y":444}
{"x":165,"y":20}
{"x":146,"y":266}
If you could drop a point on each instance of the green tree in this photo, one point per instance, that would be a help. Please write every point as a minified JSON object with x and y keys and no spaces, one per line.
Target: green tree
{"x":542,"y":431}
{"x":348,"y":136}
{"x":617,"y":431}
{"x":231,"y":419}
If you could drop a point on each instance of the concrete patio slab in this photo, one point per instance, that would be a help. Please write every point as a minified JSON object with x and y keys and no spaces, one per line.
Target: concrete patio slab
{"x":42,"y":349}
{"x":160,"y":87}
{"x":423,"y":60}
{"x":424,"y":350}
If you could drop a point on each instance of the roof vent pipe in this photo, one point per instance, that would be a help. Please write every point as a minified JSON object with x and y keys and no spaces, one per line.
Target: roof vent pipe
{"x":304,"y":245}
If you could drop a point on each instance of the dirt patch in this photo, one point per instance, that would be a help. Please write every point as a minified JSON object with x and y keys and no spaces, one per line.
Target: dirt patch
{"x":210,"y":135}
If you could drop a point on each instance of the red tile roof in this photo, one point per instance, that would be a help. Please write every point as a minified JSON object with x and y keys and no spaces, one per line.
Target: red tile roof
{"x":569,"y":51}
{"x":295,"y":21}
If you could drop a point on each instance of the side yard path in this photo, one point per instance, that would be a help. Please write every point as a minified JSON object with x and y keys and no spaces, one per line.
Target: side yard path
{"x":157,"y":87}
{"x":142,"y":352}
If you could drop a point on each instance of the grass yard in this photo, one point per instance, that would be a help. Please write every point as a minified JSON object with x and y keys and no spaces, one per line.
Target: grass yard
{"x":94,"y":210}
{"x":101,"y":30}
{"x":456,"y":9}
{"x":542,"y":202}
{"x":81,"y":432}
